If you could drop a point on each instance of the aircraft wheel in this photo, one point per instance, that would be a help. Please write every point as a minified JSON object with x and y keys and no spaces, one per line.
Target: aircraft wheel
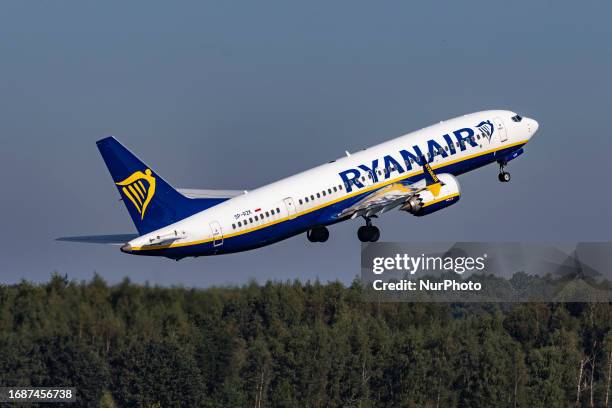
{"x":504,"y":177}
{"x":368,"y":233}
{"x":375,"y":234}
{"x":319,"y":234}
{"x":362,"y":234}
{"x":324,"y":234}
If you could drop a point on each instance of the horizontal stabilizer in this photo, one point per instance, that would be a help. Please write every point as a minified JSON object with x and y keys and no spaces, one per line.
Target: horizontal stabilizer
{"x":117,"y":239}
{"x":195,"y":193}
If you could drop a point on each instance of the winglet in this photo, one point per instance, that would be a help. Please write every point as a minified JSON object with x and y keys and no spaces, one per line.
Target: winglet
{"x":431,"y":179}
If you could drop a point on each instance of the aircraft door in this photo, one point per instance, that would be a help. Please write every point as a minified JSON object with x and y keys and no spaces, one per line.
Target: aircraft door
{"x":500,"y":129}
{"x":290,"y":204}
{"x":217,"y":233}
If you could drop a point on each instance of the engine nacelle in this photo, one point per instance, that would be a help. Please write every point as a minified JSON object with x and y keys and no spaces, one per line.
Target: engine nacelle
{"x":426,"y":202}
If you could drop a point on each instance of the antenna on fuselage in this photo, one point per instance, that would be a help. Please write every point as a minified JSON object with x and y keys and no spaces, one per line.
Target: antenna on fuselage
{"x":347,"y":153}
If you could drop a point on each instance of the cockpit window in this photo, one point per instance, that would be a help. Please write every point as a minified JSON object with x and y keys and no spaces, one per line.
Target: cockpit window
{"x":517,"y":118}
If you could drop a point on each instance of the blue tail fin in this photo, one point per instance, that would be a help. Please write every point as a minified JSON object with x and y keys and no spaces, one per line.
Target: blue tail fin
{"x":151,"y":202}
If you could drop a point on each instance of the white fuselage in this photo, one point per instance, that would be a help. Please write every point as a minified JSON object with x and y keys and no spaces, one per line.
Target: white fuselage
{"x":297,"y":203}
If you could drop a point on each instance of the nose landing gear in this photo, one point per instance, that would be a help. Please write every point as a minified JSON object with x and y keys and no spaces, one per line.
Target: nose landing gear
{"x":504,"y":176}
{"x":368,"y":232}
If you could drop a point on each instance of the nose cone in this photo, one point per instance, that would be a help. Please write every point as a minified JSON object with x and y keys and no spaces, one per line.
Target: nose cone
{"x":532,"y":126}
{"x":127,"y":248}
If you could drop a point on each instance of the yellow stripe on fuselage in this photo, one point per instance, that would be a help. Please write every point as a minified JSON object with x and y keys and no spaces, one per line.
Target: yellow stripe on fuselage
{"x":328,"y":203}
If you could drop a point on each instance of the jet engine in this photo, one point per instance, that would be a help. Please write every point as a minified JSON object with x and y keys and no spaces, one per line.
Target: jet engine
{"x":433,"y":197}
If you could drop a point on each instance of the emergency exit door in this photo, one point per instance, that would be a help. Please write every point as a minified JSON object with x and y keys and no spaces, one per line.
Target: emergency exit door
{"x":500,"y":129}
{"x":290,"y":204}
{"x":217,"y":233}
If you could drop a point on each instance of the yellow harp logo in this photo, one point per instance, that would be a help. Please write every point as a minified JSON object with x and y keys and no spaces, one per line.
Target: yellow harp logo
{"x":140,"y":189}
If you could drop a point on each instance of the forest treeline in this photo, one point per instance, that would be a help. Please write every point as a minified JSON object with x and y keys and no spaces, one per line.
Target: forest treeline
{"x":292,"y":344}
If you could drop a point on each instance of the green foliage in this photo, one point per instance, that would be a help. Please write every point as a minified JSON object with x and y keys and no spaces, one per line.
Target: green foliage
{"x":292,"y":344}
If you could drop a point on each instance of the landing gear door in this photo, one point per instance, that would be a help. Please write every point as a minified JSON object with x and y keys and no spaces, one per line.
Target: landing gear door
{"x":500,"y":129}
{"x":290,"y":204}
{"x":217,"y":233}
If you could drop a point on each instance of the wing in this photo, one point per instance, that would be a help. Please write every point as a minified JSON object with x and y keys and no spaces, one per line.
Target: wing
{"x":381,"y":201}
{"x":393,"y":195}
{"x":195,"y":193}
{"x":118,"y":239}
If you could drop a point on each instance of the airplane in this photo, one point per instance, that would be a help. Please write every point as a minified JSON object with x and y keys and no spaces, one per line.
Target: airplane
{"x":415,"y":173}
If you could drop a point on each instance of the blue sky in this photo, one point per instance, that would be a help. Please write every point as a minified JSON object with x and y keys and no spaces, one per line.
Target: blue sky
{"x":239,"y":94}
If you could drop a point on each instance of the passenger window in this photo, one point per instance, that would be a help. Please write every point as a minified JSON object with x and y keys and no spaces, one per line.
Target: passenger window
{"x":267,"y":214}
{"x":300,"y":200}
{"x":340,"y":187}
{"x":312,"y":197}
{"x":335,"y":189}
{"x":239,"y":224}
{"x":306,"y":199}
{"x":318,"y":195}
{"x":251,"y":220}
{"x":234,"y":226}
{"x":329,"y":191}
{"x":278,"y":210}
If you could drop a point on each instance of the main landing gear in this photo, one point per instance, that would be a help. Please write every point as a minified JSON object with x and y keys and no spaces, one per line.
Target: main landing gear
{"x":368,"y":232}
{"x":504,"y":176}
{"x":365,"y":233}
{"x":318,"y":234}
